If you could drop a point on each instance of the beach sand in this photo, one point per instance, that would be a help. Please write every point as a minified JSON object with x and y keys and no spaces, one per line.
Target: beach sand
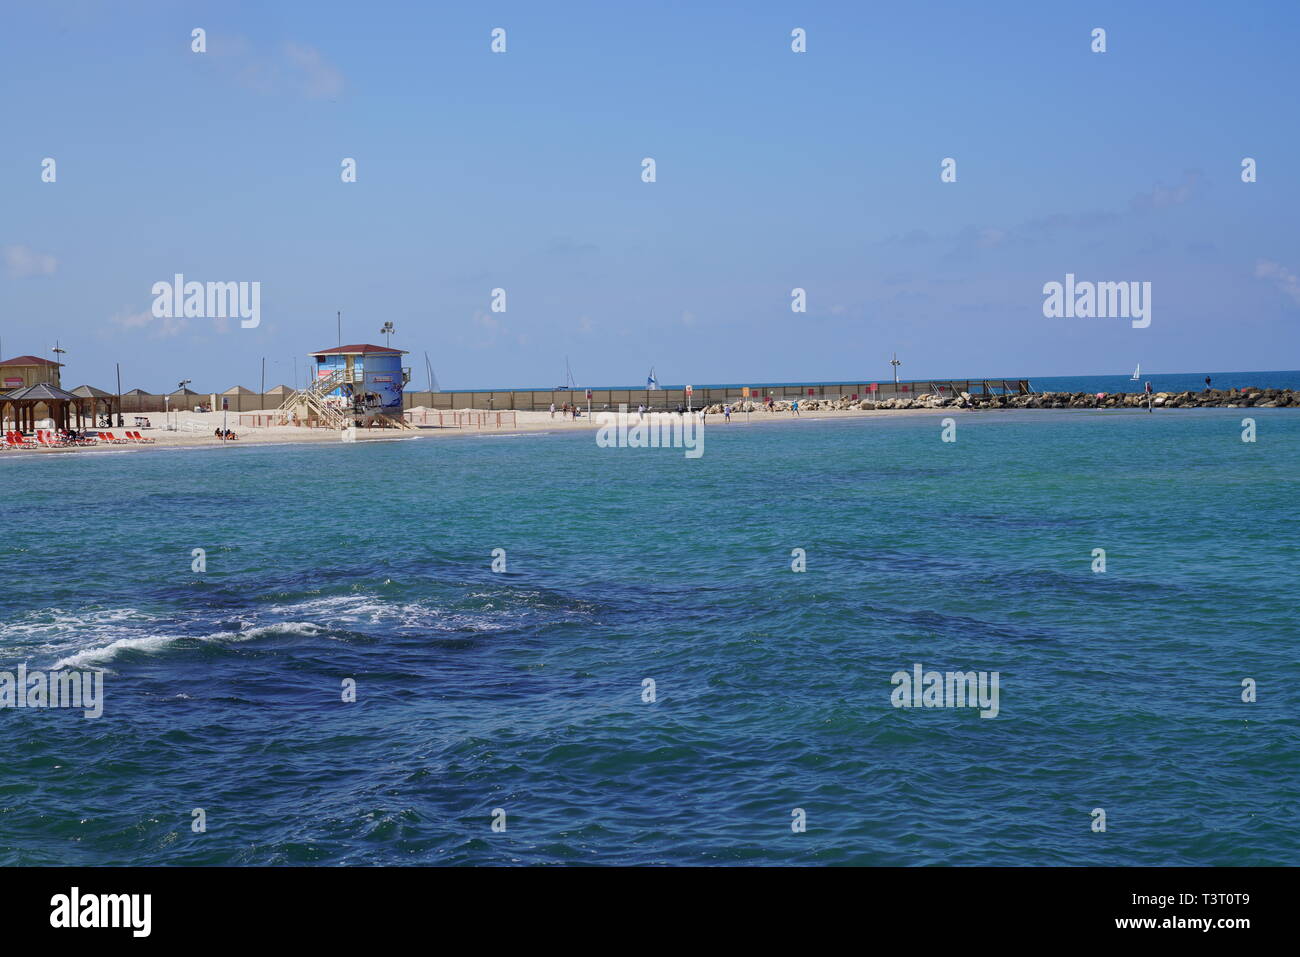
{"x":194,"y":430}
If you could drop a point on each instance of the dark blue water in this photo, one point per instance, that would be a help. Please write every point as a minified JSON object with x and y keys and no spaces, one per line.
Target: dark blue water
{"x":522,"y":690}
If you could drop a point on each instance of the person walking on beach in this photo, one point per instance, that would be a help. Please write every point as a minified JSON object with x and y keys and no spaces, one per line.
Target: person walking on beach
{"x":794,"y":406}
{"x":552,"y":410}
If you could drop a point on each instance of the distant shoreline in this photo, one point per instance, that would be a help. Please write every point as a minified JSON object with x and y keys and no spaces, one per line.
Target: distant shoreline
{"x":199,"y":436}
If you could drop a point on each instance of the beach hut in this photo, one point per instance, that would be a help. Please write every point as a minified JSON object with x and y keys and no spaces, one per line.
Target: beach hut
{"x":23,"y":371}
{"x":138,"y":400}
{"x":237,"y":397}
{"x":182,"y":399}
{"x":368,"y":378}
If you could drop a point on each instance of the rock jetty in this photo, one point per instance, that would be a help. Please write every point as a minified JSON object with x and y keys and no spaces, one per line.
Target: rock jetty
{"x":1247,"y":398}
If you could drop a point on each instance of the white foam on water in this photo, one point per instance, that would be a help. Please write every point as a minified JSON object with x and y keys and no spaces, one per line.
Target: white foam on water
{"x":96,"y":637}
{"x":154,"y":643}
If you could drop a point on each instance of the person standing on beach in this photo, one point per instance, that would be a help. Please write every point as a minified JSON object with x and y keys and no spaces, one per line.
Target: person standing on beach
{"x":794,"y":406}
{"x":1207,"y":383}
{"x":726,"y":413}
{"x":1148,"y":394}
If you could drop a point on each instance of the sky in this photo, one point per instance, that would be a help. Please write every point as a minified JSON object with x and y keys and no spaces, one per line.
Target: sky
{"x":774,"y":170}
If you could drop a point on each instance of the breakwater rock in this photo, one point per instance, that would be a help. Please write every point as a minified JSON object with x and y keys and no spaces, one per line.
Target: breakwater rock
{"x":1209,"y":398}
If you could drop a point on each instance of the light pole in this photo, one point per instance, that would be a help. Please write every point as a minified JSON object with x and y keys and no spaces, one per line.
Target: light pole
{"x":58,"y":352}
{"x":387,"y":330}
{"x":895,"y":363}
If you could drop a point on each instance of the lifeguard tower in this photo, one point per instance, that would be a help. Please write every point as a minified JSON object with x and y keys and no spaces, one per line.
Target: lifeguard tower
{"x":353,"y":385}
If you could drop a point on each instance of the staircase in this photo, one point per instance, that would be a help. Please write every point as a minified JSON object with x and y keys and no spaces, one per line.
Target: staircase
{"x":312,"y":401}
{"x":389,"y":422}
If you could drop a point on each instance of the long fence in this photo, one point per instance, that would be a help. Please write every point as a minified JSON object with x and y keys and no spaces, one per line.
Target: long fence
{"x":669,"y":399}
{"x":461,"y":420}
{"x":538,"y":401}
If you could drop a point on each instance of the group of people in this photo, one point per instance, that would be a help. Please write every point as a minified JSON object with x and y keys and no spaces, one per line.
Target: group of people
{"x":225,"y":435}
{"x":567,"y":410}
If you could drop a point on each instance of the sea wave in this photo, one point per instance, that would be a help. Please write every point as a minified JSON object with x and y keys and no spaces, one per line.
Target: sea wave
{"x":150,"y":644}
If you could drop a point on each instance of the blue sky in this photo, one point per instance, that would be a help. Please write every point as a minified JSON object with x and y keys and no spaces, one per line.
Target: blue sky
{"x":775,"y":170}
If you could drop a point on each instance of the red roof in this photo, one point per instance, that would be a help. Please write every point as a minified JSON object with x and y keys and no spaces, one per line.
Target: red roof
{"x":29,"y":361}
{"x":358,"y":351}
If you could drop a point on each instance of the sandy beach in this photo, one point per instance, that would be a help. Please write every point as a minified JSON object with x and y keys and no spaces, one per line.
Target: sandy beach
{"x":194,"y":430}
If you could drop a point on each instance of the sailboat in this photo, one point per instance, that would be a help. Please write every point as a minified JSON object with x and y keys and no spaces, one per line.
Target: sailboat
{"x":568,"y":378}
{"x":433,"y":379}
{"x":651,"y":383}
{"x":1137,"y":373}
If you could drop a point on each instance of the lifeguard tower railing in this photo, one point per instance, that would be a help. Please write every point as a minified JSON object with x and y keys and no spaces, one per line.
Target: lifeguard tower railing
{"x":312,"y":405}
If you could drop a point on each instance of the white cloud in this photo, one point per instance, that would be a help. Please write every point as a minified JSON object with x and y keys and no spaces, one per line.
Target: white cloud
{"x":295,"y":66}
{"x":1285,"y":279}
{"x":21,"y":261}
{"x":315,"y":77}
{"x":161,"y":328}
{"x":1162,"y":197}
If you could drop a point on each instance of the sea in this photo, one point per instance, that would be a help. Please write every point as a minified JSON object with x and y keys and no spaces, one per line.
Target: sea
{"x":528,"y":649}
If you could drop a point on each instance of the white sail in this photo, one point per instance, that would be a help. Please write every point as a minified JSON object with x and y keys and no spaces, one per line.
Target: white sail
{"x":1137,"y":373}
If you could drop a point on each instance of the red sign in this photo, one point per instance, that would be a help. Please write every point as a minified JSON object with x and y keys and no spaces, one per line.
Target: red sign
{"x":13,"y":383}
{"x":874,"y":387}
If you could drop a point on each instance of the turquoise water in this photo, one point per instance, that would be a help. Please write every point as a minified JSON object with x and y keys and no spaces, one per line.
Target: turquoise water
{"x":522,"y":690}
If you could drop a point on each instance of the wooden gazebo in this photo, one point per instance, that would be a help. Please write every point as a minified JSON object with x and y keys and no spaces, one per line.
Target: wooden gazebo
{"x":22,"y":404}
{"x":89,"y":400}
